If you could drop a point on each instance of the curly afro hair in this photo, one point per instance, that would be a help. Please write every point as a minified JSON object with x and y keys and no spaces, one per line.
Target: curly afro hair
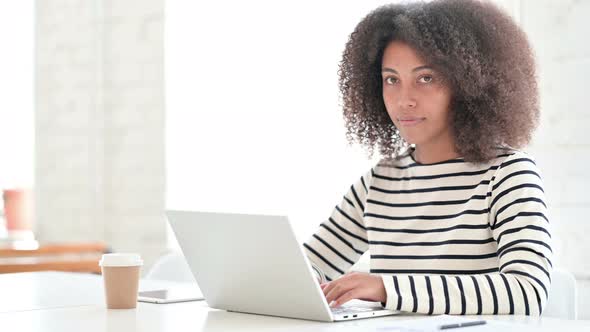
{"x":481,"y":52}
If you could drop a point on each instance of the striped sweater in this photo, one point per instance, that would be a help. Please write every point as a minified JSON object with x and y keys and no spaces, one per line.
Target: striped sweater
{"x":447,"y":238}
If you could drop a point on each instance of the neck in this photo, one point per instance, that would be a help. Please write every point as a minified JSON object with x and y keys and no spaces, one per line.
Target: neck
{"x":435,"y":152}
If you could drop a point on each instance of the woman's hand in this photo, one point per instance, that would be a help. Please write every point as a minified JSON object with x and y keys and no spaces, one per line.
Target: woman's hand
{"x":354,"y":285}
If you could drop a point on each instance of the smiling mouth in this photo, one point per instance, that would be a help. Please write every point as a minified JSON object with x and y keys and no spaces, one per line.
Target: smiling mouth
{"x":408,"y":122}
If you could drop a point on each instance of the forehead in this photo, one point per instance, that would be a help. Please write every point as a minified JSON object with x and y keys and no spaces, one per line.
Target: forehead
{"x":399,"y":54}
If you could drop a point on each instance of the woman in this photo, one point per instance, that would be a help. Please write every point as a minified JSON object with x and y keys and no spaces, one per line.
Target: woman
{"x":453,"y":216}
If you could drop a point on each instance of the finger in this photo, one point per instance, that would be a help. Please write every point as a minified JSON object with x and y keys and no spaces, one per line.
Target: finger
{"x":333,"y":283}
{"x":328,"y":286}
{"x":345,"y":282}
{"x":337,"y":291}
{"x":331,"y":286}
{"x":350,"y":295}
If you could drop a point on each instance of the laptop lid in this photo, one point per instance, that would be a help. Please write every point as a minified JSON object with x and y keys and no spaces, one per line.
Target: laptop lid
{"x":249,"y":263}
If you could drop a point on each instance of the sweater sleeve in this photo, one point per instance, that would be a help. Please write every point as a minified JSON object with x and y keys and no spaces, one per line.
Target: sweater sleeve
{"x":518,"y":222}
{"x":342,"y":239}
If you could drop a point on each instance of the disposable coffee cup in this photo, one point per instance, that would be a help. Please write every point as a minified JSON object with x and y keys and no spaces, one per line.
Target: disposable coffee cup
{"x":120,"y":274}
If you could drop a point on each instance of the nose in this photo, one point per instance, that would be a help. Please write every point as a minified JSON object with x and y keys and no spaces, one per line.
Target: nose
{"x":406,"y":99}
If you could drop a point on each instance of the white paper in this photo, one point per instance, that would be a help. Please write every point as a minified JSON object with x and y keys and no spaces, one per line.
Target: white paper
{"x":430,"y":323}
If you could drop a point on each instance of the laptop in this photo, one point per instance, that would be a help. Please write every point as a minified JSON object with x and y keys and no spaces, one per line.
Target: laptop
{"x":253,"y":264}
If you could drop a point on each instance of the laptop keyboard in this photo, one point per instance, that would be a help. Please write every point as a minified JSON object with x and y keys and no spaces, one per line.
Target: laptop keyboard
{"x":350,"y":310}
{"x":357,"y":306}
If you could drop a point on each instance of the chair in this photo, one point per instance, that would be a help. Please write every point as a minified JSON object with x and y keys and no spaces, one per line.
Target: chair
{"x":171,"y":267}
{"x":562,"y":302}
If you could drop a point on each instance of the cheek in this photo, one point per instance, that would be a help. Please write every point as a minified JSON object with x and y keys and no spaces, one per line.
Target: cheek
{"x":438,"y":104}
{"x":386,"y":98}
{"x":389,"y":101}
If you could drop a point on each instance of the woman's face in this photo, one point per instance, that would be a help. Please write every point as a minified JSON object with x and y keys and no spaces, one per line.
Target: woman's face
{"x":416,"y":96}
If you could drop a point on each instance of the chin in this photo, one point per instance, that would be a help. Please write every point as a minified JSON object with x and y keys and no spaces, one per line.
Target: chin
{"x":412,"y":139}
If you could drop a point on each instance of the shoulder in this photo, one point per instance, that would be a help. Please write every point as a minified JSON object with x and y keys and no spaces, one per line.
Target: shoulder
{"x":516,"y":168}
{"x":510,"y":160}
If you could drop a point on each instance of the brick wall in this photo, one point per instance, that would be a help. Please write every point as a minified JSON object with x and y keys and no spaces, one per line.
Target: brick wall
{"x":561,"y":145}
{"x":99,"y":123}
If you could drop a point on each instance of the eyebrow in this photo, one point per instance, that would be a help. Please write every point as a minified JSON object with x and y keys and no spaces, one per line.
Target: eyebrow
{"x":386,"y":69}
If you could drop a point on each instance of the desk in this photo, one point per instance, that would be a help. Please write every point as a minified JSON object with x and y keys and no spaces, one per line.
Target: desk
{"x":89,"y":314}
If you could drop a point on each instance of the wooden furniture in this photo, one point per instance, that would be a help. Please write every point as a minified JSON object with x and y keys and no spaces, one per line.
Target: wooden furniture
{"x":71,"y":257}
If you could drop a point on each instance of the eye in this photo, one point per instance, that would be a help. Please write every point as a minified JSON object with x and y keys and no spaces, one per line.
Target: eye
{"x":425,"y":79}
{"x":390,"y":80}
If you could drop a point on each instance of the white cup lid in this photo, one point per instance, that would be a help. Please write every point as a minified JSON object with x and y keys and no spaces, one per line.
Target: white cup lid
{"x":120,"y":260}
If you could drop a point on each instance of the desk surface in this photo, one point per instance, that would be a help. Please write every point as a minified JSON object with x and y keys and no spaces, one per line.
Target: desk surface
{"x":30,"y":302}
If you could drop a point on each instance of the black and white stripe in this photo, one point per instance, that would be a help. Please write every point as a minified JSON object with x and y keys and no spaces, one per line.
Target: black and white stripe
{"x":483,"y":229}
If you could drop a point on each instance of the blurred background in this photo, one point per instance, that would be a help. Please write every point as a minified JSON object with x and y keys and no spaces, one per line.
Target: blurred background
{"x":114,"y":110}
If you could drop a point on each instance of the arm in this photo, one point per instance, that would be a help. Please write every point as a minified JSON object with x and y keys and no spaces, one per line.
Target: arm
{"x":519,"y":224}
{"x":342,"y":239}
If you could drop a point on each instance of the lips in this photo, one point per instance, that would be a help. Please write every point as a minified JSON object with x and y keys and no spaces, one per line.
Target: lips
{"x":410,"y":121}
